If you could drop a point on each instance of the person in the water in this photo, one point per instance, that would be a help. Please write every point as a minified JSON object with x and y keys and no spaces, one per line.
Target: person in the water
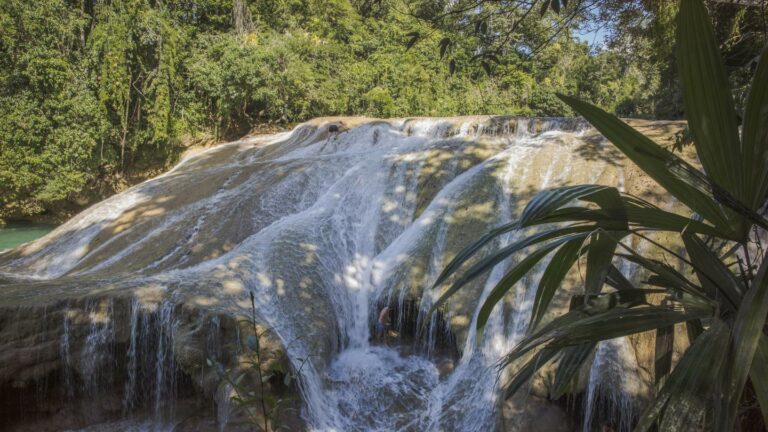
{"x":382,"y":325}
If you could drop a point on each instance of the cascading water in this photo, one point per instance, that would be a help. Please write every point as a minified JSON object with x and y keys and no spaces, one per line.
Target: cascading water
{"x":324,"y":228}
{"x":611,"y":387}
{"x":95,"y":355}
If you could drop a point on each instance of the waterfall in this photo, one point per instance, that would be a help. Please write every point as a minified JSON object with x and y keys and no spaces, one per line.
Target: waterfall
{"x":65,"y":353}
{"x":324,"y":228}
{"x":165,"y":361}
{"x":610,"y":386}
{"x":96,"y":353}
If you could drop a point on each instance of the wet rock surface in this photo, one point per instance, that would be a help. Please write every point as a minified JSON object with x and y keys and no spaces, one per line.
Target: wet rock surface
{"x":115,"y":313}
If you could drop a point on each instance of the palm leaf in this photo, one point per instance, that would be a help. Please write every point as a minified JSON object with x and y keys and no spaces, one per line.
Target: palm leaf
{"x":550,"y":281}
{"x":487,"y":263}
{"x":546,"y":201}
{"x":572,"y":360}
{"x":694,"y":329}
{"x":707,"y":99}
{"x":619,"y":322}
{"x":472,"y":249}
{"x":665,"y":338}
{"x":512,"y":277}
{"x":682,"y":400}
{"x":604,"y":317}
{"x":640,"y":217}
{"x":602,"y":247}
{"x":746,"y":333}
{"x":524,"y":375}
{"x":665,"y":275}
{"x":755,"y":135}
{"x":759,"y":376}
{"x":714,"y":276}
{"x":671,"y":172}
{"x":602,"y":244}
{"x":655,"y":218}
{"x":617,"y":280}
{"x":609,"y":200}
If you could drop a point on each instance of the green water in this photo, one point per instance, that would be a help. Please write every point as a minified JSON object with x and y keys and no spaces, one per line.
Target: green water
{"x":16,"y":233}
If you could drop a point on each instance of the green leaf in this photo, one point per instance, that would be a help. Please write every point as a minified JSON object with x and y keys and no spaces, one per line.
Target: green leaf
{"x":571,"y":362}
{"x":611,"y":203}
{"x":524,"y":375}
{"x":707,"y":99}
{"x":694,"y":329}
{"x":553,"y":276}
{"x":655,"y":218}
{"x":509,"y":280}
{"x":684,"y":396}
{"x":603,"y":317}
{"x":638,"y":217}
{"x":470,"y":250}
{"x":675,"y":175}
{"x":620,"y":322}
{"x":546,"y":201}
{"x":487,"y":263}
{"x":716,"y":279}
{"x":746,"y":333}
{"x":755,"y":135}
{"x":602,"y":247}
{"x":759,"y":375}
{"x":665,"y":338}
{"x":617,"y":280}
{"x":666,"y":276}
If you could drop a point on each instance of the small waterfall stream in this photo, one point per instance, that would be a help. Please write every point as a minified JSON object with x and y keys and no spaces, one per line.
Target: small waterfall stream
{"x":325,"y":228}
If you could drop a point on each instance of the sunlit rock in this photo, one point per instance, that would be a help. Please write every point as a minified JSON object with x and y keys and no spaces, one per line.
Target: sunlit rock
{"x":126,"y":311}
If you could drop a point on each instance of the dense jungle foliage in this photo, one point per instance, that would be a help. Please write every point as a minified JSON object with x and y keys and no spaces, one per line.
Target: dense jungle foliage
{"x":96,"y":93}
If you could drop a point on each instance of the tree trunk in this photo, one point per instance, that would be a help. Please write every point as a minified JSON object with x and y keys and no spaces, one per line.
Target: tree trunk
{"x":241,"y":17}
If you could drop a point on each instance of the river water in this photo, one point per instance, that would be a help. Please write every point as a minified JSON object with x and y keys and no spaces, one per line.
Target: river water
{"x":16,"y":233}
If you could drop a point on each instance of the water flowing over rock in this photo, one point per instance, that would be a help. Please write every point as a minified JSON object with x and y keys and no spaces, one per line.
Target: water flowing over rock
{"x":113,"y":315}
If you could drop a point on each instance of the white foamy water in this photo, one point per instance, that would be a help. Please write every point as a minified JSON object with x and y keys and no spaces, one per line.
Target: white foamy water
{"x":325,"y":229}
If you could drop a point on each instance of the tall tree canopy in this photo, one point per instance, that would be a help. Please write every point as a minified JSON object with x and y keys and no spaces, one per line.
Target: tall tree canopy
{"x":639,"y":34}
{"x":94,"y":93}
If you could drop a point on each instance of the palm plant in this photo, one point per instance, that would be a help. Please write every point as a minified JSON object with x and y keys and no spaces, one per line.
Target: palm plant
{"x":721,"y":293}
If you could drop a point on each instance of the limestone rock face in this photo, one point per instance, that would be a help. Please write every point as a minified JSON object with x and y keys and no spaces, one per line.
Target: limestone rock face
{"x":526,"y":413}
{"x":133,"y":306}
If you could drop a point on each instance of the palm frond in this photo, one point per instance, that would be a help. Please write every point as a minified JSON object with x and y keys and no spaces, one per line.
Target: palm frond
{"x":755,"y":135}
{"x":682,"y":401}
